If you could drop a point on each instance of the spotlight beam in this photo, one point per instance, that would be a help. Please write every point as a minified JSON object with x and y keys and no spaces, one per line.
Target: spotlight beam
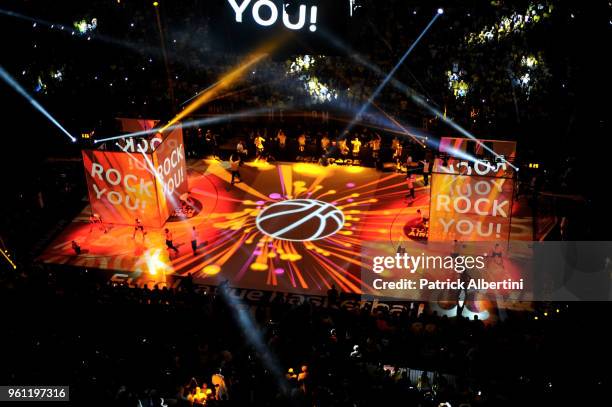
{"x":6,"y":256}
{"x":398,"y":124}
{"x":207,"y":95}
{"x":189,"y":124}
{"x":165,"y":57}
{"x":421,"y":102}
{"x":19,"y":89}
{"x":229,"y":93}
{"x":414,"y":96}
{"x":429,"y":140}
{"x":253,"y":335}
{"x":224,"y":82}
{"x":387,"y":123}
{"x":390,"y":75}
{"x":214,"y":85}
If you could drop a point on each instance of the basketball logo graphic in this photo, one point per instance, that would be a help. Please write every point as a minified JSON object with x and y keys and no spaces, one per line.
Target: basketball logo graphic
{"x":300,"y":220}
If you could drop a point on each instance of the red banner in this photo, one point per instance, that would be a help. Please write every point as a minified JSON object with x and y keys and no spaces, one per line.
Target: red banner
{"x":121,"y":187}
{"x":171,"y":171}
{"x":470,"y":207}
{"x":138,"y":182}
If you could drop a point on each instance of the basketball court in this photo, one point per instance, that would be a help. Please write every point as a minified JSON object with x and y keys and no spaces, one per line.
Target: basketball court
{"x":367,"y":205}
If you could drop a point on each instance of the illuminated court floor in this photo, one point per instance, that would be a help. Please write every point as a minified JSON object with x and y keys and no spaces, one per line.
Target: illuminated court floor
{"x":356,"y":204}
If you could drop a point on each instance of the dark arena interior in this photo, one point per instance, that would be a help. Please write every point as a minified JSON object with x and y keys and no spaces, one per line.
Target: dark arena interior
{"x":305,"y":203}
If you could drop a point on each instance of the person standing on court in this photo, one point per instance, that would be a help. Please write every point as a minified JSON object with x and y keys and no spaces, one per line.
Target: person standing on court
{"x":426,"y":171}
{"x":169,"y":243}
{"x":410,"y":180}
{"x":234,"y":164}
{"x":76,"y":247}
{"x":194,"y":240}
{"x":139,"y":227}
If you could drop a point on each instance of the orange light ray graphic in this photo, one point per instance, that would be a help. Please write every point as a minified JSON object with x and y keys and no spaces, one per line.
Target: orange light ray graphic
{"x":226,"y":81}
{"x":238,"y":251}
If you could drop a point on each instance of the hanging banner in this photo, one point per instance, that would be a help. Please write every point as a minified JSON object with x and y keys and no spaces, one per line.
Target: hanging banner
{"x":471,"y":202}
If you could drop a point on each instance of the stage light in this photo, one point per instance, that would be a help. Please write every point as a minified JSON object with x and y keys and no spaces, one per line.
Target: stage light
{"x":154,"y":262}
{"x":7,"y":257}
{"x":226,"y":81}
{"x":192,"y":123}
{"x":440,"y":11}
{"x":155,"y":4}
{"x":13,"y":84}
{"x":412,"y":95}
{"x":387,"y":78}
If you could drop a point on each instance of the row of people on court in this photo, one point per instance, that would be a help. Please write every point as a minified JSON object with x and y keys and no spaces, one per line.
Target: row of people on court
{"x":344,"y":146}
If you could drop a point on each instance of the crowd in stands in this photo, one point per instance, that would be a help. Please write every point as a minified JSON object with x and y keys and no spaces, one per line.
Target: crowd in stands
{"x":120,"y":345}
{"x":122,"y":60}
{"x":134,"y":346}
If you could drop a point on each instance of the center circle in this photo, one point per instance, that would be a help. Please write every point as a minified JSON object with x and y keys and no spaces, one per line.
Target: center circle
{"x":300,"y":220}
